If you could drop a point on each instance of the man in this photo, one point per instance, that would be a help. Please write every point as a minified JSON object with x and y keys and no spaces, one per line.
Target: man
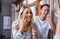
{"x":57,"y":34}
{"x":44,"y":22}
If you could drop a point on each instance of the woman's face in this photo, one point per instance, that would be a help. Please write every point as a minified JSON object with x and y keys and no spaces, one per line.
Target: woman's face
{"x":27,"y":14}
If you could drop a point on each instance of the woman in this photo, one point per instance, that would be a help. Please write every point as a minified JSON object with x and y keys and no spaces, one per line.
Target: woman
{"x":23,"y":27}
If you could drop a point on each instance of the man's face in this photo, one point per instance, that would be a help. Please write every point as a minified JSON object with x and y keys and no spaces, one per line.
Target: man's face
{"x":44,"y":11}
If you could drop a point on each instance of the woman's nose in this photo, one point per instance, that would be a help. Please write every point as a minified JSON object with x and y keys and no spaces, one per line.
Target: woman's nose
{"x":29,"y":14}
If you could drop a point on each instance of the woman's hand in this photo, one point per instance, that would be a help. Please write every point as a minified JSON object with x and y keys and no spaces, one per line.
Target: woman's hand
{"x":23,"y":24}
{"x":33,"y":31}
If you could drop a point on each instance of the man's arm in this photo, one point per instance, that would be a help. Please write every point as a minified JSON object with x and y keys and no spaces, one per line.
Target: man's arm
{"x":52,"y":26}
{"x":51,"y":23}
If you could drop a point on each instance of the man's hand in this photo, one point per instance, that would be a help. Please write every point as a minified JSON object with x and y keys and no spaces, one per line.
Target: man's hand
{"x":48,"y":17}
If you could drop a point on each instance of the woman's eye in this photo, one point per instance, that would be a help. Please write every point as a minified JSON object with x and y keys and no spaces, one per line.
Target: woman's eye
{"x":30,"y":12}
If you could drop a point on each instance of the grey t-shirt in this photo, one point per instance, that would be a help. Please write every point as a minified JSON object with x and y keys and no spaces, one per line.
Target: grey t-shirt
{"x":17,"y":34}
{"x":26,"y":35}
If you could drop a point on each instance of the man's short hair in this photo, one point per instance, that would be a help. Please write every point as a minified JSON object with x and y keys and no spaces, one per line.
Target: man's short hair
{"x":45,"y":5}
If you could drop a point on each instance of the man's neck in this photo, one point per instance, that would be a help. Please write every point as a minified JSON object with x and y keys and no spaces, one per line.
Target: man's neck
{"x":42,"y":18}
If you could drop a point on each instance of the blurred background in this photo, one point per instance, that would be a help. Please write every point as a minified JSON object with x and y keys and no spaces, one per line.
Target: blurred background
{"x":9,"y":10}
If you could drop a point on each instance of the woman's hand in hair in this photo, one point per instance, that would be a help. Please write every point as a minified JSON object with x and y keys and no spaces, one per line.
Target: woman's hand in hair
{"x":23,"y":24}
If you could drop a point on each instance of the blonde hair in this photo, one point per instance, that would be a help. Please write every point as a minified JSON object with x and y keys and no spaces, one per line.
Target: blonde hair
{"x":20,"y":13}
